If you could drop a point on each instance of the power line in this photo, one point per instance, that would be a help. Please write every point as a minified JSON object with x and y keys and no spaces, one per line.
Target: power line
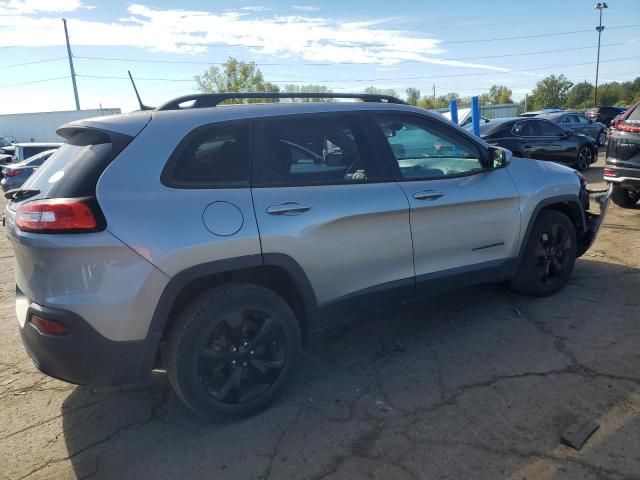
{"x":33,"y":81}
{"x":114,"y":77}
{"x":33,"y":63}
{"x":331,"y":64}
{"x":458,"y":75}
{"x":379,"y":44}
{"x":533,"y":36}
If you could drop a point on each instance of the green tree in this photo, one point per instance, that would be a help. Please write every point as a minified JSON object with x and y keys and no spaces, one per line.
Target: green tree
{"x":381,"y":91}
{"x":551,"y":92}
{"x":234,"y":76}
{"x":498,"y":94}
{"x":309,"y":89}
{"x":413,"y":96}
{"x":580,"y":96}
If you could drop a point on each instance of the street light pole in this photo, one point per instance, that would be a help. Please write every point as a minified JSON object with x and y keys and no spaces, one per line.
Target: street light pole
{"x":599,"y":6}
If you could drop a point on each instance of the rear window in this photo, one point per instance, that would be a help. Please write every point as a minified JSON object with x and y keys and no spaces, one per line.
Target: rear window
{"x":73,"y":169}
{"x":214,"y":156}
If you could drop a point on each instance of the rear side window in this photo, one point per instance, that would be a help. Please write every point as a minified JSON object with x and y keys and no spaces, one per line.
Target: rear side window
{"x":315,"y":150}
{"x":74,"y":168}
{"x":214,"y":156}
{"x":524,"y":129}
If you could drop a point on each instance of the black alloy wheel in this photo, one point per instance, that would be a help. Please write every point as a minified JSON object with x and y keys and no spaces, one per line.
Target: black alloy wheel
{"x":552,"y":254}
{"x":232,"y":350}
{"x":242,"y":356}
{"x":585,"y":157}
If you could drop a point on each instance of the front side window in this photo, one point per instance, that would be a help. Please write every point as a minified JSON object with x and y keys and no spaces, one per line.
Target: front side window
{"x":315,"y":150}
{"x":567,"y":119}
{"x":213,"y":156}
{"x":424,"y":151}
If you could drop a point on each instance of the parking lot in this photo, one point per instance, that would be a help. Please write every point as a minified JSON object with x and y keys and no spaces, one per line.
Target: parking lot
{"x":480,"y":383}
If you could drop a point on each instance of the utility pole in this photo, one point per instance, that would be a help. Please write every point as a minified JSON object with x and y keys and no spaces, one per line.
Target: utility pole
{"x":526,"y":101}
{"x":73,"y":72}
{"x":598,"y":6}
{"x":434,"y":94}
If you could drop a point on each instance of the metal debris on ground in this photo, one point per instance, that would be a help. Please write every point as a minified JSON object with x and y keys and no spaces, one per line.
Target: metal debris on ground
{"x":577,"y":435}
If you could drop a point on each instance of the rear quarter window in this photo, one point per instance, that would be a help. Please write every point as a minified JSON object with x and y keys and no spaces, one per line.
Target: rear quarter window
{"x":212,"y":156}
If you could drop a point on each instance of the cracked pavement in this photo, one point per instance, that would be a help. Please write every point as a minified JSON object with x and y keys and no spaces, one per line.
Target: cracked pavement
{"x":479,"y":383}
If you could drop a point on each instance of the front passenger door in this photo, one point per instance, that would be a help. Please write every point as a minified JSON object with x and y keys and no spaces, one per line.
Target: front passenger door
{"x":465,"y":215}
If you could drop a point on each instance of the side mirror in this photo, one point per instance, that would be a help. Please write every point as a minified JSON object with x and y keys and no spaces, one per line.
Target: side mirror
{"x":500,"y":157}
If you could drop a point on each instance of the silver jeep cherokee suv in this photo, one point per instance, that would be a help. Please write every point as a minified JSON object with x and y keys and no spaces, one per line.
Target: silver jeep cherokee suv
{"x":215,"y":241}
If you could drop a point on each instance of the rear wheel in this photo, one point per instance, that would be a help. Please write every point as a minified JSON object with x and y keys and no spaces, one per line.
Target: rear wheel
{"x":232,"y":350}
{"x":584,"y":159}
{"x":549,"y":255}
{"x":602,"y":138}
{"x":624,"y":197}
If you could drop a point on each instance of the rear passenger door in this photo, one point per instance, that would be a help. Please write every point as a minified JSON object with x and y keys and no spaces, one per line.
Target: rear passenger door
{"x":465,"y":216}
{"x":323,"y":198}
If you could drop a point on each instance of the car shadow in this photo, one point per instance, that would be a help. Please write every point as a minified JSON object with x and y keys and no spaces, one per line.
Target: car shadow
{"x":389,"y":371}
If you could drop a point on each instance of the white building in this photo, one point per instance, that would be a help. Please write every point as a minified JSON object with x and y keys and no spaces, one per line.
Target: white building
{"x":42,"y":126}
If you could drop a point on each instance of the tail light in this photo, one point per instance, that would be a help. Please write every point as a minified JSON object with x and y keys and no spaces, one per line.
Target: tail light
{"x":11,"y":172}
{"x":624,"y":127}
{"x":56,"y":215}
{"x":609,"y":172}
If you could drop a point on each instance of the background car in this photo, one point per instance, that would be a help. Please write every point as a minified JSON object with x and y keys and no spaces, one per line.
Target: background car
{"x":541,"y":139}
{"x":623,"y":159}
{"x":464,"y":117}
{"x":535,"y":113}
{"x":16,"y":174}
{"x":579,"y":123}
{"x":5,"y":142}
{"x":604,"y":115}
{"x":22,"y":151}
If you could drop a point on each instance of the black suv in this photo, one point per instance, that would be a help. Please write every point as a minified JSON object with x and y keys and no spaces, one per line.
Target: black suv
{"x":623,"y":159}
{"x":603,"y":114}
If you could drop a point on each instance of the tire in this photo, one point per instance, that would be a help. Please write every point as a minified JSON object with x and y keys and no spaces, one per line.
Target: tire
{"x":601,"y":138}
{"x":232,"y":350}
{"x":549,"y":256}
{"x":623,"y":197}
{"x":584,"y":158}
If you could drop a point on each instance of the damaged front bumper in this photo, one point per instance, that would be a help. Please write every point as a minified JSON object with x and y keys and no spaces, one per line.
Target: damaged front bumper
{"x":594,"y":220}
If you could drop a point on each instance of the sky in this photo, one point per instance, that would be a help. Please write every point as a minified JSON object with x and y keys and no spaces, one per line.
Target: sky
{"x":462,"y":46}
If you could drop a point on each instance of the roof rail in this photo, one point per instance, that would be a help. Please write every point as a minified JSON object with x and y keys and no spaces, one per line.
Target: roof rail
{"x":204,"y":100}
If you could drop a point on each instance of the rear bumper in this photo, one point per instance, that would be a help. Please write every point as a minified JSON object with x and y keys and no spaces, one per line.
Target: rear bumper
{"x":82,"y":356}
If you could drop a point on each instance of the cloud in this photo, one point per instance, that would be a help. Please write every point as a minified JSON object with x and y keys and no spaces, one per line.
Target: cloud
{"x":302,"y":36}
{"x":305,"y":8}
{"x":25,"y":7}
{"x":255,"y":9}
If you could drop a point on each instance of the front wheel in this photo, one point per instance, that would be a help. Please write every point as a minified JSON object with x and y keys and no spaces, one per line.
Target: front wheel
{"x":232,"y":350}
{"x":584,"y":159}
{"x":602,"y":138}
{"x":548,"y":257}
{"x":623,"y":197}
